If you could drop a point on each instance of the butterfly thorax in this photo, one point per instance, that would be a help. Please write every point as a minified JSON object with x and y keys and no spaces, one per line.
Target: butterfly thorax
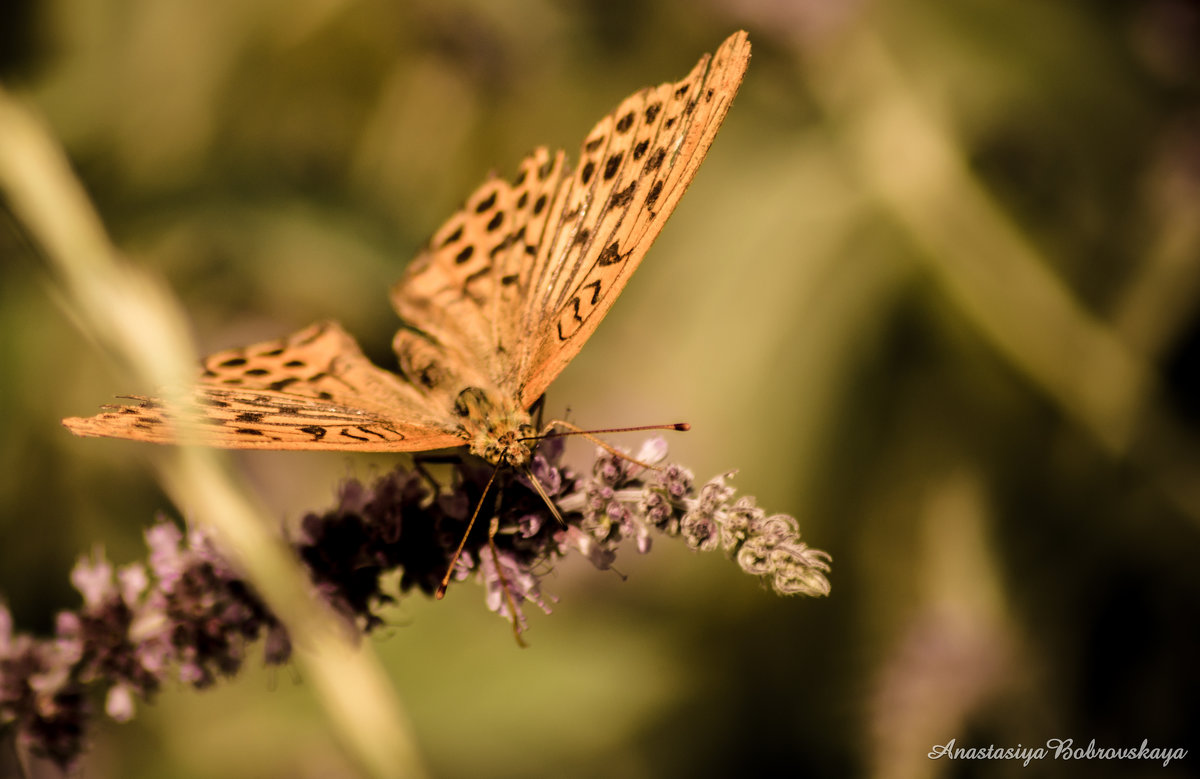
{"x":495,"y":428}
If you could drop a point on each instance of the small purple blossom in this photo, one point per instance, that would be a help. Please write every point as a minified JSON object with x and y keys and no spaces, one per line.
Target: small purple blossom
{"x":40,"y":695}
{"x":186,"y":614}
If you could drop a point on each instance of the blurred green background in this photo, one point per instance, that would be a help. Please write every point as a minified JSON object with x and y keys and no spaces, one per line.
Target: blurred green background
{"x":934,"y":292}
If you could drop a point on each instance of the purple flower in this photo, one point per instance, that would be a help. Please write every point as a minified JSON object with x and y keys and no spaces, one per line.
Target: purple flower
{"x":185,"y":612}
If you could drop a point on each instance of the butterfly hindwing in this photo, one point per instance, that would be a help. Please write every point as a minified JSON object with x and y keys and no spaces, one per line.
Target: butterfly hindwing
{"x":464,"y":290}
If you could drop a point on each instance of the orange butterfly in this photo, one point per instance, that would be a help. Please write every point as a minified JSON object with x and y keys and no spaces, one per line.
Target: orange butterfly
{"x":503,"y":297}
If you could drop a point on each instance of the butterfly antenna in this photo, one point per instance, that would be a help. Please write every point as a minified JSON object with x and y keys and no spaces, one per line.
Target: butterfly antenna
{"x":441,"y":590}
{"x":591,"y":436}
{"x":537,"y":485}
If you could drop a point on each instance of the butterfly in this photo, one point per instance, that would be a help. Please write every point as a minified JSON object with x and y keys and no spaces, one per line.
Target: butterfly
{"x":494,"y":307}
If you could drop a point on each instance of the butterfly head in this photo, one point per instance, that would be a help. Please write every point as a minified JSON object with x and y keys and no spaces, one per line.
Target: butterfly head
{"x":495,"y":429}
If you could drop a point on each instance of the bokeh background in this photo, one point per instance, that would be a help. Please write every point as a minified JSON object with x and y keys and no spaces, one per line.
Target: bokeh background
{"x":934,"y":292}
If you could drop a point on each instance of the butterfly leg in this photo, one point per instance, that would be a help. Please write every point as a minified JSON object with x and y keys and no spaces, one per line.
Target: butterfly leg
{"x":537,"y":486}
{"x":441,"y":590}
{"x":420,"y":460}
{"x":419,"y":467}
{"x":536,"y":410}
{"x":494,"y":528}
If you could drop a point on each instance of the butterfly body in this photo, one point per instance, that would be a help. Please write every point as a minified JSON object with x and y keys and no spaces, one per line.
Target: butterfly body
{"x":496,"y":305}
{"x":495,"y":428}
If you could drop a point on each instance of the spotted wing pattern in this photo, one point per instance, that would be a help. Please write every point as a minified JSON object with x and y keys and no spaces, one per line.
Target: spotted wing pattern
{"x":504,"y":296}
{"x":513,"y":284}
{"x":637,"y":162}
{"x":465,"y":290}
{"x":312,"y":390}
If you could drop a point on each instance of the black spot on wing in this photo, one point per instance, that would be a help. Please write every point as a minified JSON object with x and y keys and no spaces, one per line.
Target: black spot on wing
{"x":652,"y":195}
{"x":613,"y":165}
{"x":486,"y":203}
{"x":585,"y":175}
{"x":574,"y":304}
{"x":621,"y":199}
{"x":508,"y":241}
{"x":465,"y":254}
{"x":454,"y":236}
{"x":625,"y":123}
{"x":610,"y":256}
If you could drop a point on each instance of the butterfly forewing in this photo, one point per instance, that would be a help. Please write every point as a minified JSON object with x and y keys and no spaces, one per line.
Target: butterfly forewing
{"x":653,"y":143}
{"x":515,"y":282}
